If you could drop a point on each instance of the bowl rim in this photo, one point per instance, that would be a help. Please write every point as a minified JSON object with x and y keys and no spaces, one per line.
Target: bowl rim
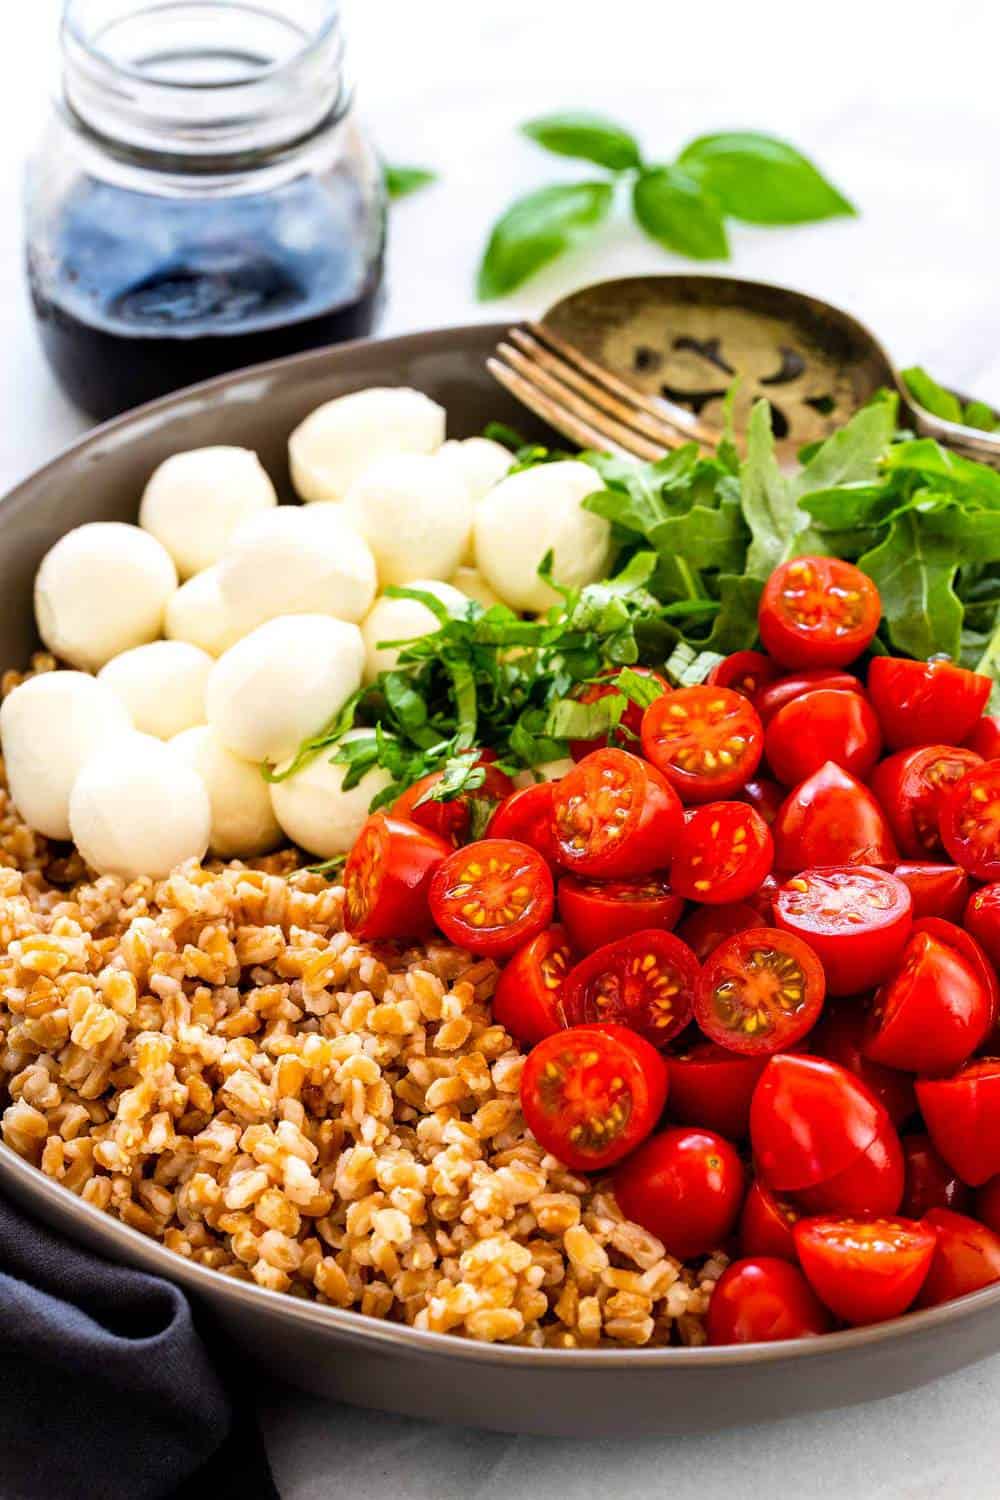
{"x":139,"y":1251}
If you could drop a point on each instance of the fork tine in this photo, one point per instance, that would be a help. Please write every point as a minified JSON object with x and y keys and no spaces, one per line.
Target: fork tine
{"x":555,"y":414}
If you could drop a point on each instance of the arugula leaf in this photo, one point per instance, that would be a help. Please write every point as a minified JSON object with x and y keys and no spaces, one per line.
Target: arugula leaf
{"x":846,"y":506}
{"x":989,"y":665}
{"x":928,"y":394}
{"x":586,"y":136}
{"x":677,"y":211}
{"x":914,"y":570}
{"x":735,"y":625}
{"x":762,"y":180}
{"x":401,"y":181}
{"x":853,"y":453}
{"x":712,"y":538}
{"x":978,"y":414}
{"x":537,"y":228}
{"x":924,"y":456}
{"x":769,"y":504}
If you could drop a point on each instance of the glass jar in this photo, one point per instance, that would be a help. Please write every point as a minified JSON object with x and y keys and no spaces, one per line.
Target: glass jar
{"x":203,"y":198}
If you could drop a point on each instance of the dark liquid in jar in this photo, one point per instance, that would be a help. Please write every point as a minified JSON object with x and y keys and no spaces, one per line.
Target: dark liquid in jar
{"x":138,"y":295}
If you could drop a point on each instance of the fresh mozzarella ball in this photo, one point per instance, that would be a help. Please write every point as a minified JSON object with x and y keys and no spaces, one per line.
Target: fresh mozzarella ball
{"x":402,"y":620}
{"x":530,"y":514}
{"x":329,"y":450}
{"x":294,"y":561}
{"x":194,"y":502}
{"x":549,"y":770}
{"x":414,"y":512}
{"x":197,"y":614}
{"x":162,"y":685}
{"x":482,"y":464}
{"x":137,"y":809}
{"x":243,"y":821}
{"x":470,"y":582}
{"x":315,"y":811}
{"x":282,"y":682}
{"x":101,"y":589}
{"x":50,"y":726}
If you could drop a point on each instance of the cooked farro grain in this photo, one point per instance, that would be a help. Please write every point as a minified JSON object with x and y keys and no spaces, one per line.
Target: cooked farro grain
{"x":212,"y":1059}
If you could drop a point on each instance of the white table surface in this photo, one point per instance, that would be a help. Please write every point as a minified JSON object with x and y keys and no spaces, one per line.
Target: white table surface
{"x":900,"y":103}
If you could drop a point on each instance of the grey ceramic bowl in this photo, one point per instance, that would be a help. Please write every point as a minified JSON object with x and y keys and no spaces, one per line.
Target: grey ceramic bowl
{"x":615,"y":1392}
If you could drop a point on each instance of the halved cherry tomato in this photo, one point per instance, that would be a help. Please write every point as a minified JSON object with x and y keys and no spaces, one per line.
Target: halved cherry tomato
{"x":774,"y":697}
{"x":452,"y":819}
{"x":965,"y":944}
{"x":387,"y":879}
{"x":686,"y":1187}
{"x":809,"y":1121}
{"x":865,"y":1269}
{"x":764,"y":796}
{"x":746,"y":672}
{"x":526,"y":815}
{"x":935,"y":890}
{"x":766,"y":1224}
{"x":987,"y":1204}
{"x":967,"y":1258}
{"x":707,"y":926}
{"x":527,"y":1001}
{"x":590,"y":1094}
{"x":872,"y":1184}
{"x":760,"y":991}
{"x":930,"y":1182}
{"x":614,"y":817}
{"x":970,"y":821}
{"x":492,"y":896}
{"x":840,"y":1036}
{"x":712,"y":1087}
{"x":855,"y":918}
{"x":826,"y":724}
{"x":722,"y":854}
{"x":627,"y":732}
{"x":646,"y":981}
{"x":831,"y":819}
{"x":764,"y":1300}
{"x":985,"y":737}
{"x":915,"y":700}
{"x":707,"y":741}
{"x":962,"y":1115}
{"x":982,"y":919}
{"x":596,"y":912}
{"x":932,"y":1012}
{"x":818,"y":612}
{"x":911,"y":786}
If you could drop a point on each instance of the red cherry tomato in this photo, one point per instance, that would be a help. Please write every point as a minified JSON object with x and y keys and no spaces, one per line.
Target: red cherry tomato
{"x":823,"y":725}
{"x":774,"y":697}
{"x":686,"y":1187}
{"x":855,"y":918}
{"x":840,"y":1037}
{"x":766,"y":1225}
{"x":932,"y":1012}
{"x":713,"y":1088}
{"x":818,"y":612}
{"x":809,"y":1120}
{"x":872,"y":1184}
{"x":970,"y":821}
{"x":865,"y":1270}
{"x":452,"y":820}
{"x":982,"y":918}
{"x":764,"y":796}
{"x":746,"y":672}
{"x":707,"y":741}
{"x":930,"y":1182}
{"x":962,"y":1115}
{"x":614,"y":817}
{"x":762,"y":899}
{"x":911,"y":785}
{"x":529,"y":991}
{"x":708,"y":926}
{"x":763,"y":1301}
{"x":987,"y":1204}
{"x":966,"y":1258}
{"x":985,"y":737}
{"x":760,"y":991}
{"x":935,"y":890}
{"x":526,"y":816}
{"x":831,"y":819}
{"x":722,"y":854}
{"x":645,"y":981}
{"x":627,"y":732}
{"x":387,"y":879}
{"x":590,"y":1094}
{"x":970,"y":949}
{"x":492,"y":896}
{"x":598,"y":912}
{"x":915,"y":700}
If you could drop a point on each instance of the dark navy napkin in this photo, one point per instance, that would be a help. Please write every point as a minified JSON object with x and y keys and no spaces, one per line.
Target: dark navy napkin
{"x":107,"y":1388}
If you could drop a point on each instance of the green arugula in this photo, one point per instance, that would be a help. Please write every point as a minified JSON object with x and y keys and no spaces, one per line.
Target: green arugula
{"x":941,"y":402}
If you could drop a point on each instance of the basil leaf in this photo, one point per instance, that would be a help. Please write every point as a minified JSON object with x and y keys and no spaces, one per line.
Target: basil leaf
{"x":768,"y":498}
{"x":931,"y":396}
{"x":914,"y":570}
{"x":401,"y":181}
{"x":676,"y":210}
{"x":569,"y":719}
{"x":687,"y":667}
{"x":640,"y":690}
{"x":762,"y":180}
{"x":537,"y":228}
{"x":588,"y":137}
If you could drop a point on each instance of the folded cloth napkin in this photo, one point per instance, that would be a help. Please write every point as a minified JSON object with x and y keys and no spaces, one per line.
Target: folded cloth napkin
{"x":107,"y":1390}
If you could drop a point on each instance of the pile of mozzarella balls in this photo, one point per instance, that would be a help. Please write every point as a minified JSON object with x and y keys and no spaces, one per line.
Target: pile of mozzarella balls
{"x":224,"y":629}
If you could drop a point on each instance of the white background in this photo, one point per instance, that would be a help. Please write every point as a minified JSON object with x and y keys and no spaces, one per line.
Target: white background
{"x":901,"y":105}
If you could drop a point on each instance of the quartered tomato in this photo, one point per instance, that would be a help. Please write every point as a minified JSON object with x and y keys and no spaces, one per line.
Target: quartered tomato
{"x":764,"y":796}
{"x":916,"y":700}
{"x":911,"y":785}
{"x":528,"y":993}
{"x":646,"y":981}
{"x":966,"y":1258}
{"x":962,"y":1115}
{"x":872,"y":1184}
{"x":970,"y":821}
{"x":722,"y":853}
{"x":387,"y":879}
{"x":865,"y":1269}
{"x":985,"y":737}
{"x":707,"y":741}
{"x":818,"y":612}
{"x":965,"y":944}
{"x":764,"y":1300}
{"x":452,"y":819}
{"x":855,"y":918}
{"x":932,"y":1012}
{"x":982,"y":918}
{"x":712,"y":1087}
{"x":825,"y":724}
{"x":766,"y":1224}
{"x":627,"y":732}
{"x":526,"y":815}
{"x":760,"y":991}
{"x":774,"y":697}
{"x":707,"y":926}
{"x":596,"y":912}
{"x":686,"y":1187}
{"x":810,"y":1120}
{"x":930,"y":1182}
{"x":746,"y":672}
{"x":492,"y":896}
{"x":831,"y":819}
{"x":590,"y":1094}
{"x":935,"y":890}
{"x":614,"y":817}
{"x":840,"y":1036}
